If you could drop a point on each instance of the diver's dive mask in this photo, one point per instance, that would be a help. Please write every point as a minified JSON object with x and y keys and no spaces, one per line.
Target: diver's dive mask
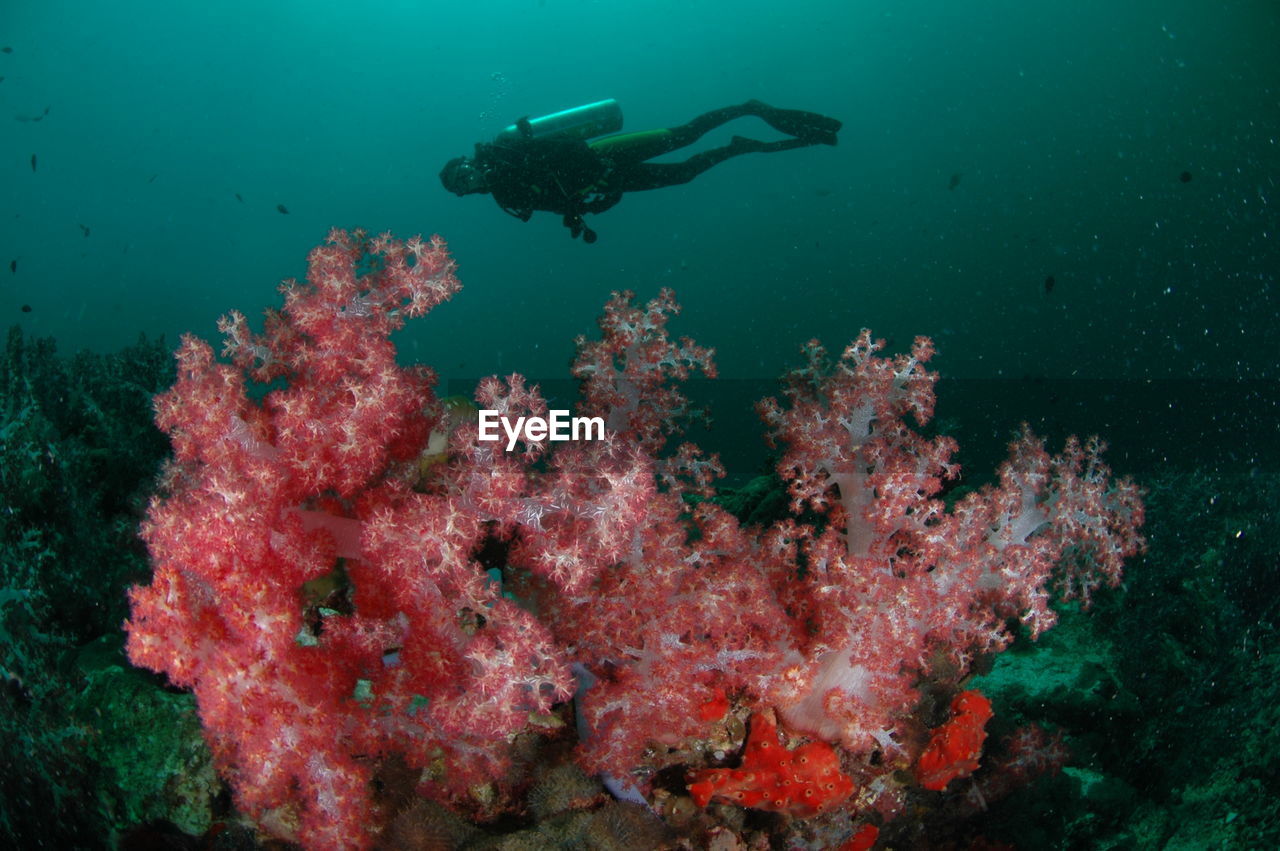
{"x":461,"y":176}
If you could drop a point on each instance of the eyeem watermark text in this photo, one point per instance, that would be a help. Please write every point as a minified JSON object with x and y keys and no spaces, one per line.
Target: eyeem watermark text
{"x":557,"y":426}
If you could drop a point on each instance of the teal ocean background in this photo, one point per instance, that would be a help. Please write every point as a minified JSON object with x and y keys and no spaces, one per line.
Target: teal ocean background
{"x":1077,"y":201}
{"x":1067,"y":127}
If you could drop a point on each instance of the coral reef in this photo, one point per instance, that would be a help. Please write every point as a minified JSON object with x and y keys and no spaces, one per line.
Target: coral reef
{"x":82,"y":734}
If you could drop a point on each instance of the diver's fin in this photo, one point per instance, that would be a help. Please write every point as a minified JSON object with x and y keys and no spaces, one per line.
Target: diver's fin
{"x":809,"y":127}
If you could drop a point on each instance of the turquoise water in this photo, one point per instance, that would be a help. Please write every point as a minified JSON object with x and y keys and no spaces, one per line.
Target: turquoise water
{"x":1076,"y":201}
{"x":173,"y":131}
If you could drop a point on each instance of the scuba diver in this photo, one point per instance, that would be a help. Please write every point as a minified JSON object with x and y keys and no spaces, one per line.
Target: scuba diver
{"x":554,"y":164}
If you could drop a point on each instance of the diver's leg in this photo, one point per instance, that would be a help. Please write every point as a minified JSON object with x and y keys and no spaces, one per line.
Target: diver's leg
{"x":634,"y":147}
{"x":657,"y":175}
{"x":646,"y":144}
{"x":807,"y":127}
{"x":692,"y":131}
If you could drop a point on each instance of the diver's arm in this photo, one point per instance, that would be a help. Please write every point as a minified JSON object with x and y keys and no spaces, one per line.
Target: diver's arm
{"x":521,"y":213}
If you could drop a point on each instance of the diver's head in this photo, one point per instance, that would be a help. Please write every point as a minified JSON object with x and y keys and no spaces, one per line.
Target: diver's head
{"x":462,"y":176}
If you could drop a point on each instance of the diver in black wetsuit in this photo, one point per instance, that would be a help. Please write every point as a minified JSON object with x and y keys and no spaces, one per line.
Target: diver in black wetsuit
{"x":571,"y":177}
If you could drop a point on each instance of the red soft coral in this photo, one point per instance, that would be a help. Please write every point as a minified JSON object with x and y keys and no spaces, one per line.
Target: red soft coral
{"x":955,"y":747}
{"x":802,"y":782}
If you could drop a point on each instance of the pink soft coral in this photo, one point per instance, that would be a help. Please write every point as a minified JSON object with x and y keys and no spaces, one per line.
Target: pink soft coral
{"x":423,"y":656}
{"x":318,"y":586}
{"x":895,"y":579}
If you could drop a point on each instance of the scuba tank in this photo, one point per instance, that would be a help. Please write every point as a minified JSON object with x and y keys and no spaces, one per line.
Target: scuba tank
{"x":581,"y":122}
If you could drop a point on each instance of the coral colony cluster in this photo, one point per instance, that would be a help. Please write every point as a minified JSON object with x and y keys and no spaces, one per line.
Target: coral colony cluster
{"x":350,"y":580}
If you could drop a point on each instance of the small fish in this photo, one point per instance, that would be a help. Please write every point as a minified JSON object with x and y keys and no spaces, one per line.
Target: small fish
{"x":152,"y":178}
{"x":26,"y":308}
{"x":13,"y":267}
{"x":955,"y":180}
{"x":25,"y":118}
{"x":16,"y":687}
{"x":1048,"y":285}
{"x":238,"y":198}
{"x":6,"y":50}
{"x":1185,"y":177}
{"x":85,"y":228}
{"x":283,"y":209}
{"x":1,"y":79}
{"x":33,"y":162}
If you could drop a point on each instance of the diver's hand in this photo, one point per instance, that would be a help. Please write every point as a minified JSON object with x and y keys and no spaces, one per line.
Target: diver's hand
{"x":573,"y":221}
